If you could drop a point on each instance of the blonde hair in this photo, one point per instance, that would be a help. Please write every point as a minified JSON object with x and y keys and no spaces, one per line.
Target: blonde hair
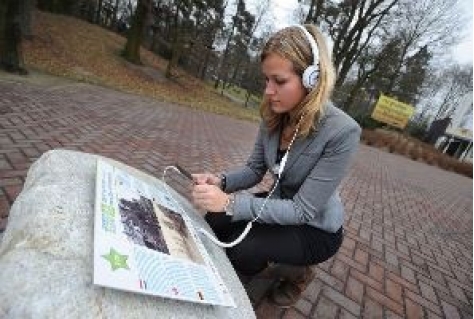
{"x":292,"y":44}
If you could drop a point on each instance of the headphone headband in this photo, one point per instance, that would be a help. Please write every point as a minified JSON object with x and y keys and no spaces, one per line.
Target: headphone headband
{"x":312,"y":43}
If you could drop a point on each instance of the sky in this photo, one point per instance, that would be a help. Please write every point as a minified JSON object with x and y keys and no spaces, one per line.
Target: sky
{"x":463,"y":52}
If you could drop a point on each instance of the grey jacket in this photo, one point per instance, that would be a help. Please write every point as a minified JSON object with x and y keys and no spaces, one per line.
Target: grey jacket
{"x":307,"y":192}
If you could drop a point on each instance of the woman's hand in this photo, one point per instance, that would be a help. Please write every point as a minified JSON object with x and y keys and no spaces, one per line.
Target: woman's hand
{"x":209,"y":197}
{"x":207,"y":178}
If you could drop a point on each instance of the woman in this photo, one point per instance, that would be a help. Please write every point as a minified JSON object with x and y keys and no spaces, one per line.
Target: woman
{"x":300,"y":223}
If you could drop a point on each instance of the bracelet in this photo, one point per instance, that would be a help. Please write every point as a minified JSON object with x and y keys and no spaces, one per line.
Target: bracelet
{"x":229,"y":205}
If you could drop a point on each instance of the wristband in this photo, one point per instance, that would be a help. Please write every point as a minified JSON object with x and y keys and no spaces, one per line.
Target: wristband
{"x":223,"y":182}
{"x":229,"y":205}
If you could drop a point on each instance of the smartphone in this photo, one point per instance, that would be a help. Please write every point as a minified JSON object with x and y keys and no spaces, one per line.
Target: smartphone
{"x":184,"y":172}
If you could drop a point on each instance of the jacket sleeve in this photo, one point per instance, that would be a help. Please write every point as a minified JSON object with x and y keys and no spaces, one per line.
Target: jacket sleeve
{"x":309,"y":203}
{"x":252,"y":173}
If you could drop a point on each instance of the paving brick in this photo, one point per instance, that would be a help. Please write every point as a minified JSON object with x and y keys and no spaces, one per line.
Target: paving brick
{"x":413,"y":310}
{"x":31,"y":152}
{"x":432,"y":315}
{"x":450,"y":311}
{"x":341,"y":300}
{"x":372,"y":310}
{"x":464,"y":285}
{"x":355,"y":290}
{"x":348,"y":243}
{"x":344,"y":314}
{"x":12,"y":191}
{"x":340,"y":270}
{"x":303,"y":306}
{"x":329,"y":280}
{"x":458,"y":292}
{"x":385,"y":301}
{"x":361,"y":257}
{"x":408,"y":274}
{"x":377,"y":245}
{"x":428,"y":292}
{"x":376,"y":271}
{"x":325,"y":309}
{"x":404,"y":283}
{"x":293,"y":314}
{"x":394,"y":291}
{"x":391,"y":315}
{"x":403,"y":248}
{"x":352,"y":263}
{"x":462,"y":275}
{"x":437,"y":275}
{"x":4,"y":164}
{"x":423,"y":302}
{"x":366,"y":280}
{"x":313,"y":290}
{"x":365,"y":234}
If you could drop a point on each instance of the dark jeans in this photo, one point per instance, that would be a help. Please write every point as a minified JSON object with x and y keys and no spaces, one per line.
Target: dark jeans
{"x":298,"y":245}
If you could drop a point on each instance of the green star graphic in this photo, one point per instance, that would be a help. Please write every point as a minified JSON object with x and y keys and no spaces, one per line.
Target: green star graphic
{"x":116,"y":260}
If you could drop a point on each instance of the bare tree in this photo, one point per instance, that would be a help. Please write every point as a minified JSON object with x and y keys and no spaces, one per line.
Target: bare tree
{"x":351,"y":25}
{"x":262,"y":11}
{"x":315,"y":12}
{"x":457,"y":81}
{"x":424,"y":23}
{"x":181,"y":33}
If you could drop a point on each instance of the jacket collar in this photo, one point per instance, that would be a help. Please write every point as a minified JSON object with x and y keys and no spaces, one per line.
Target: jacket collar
{"x":299,"y":145}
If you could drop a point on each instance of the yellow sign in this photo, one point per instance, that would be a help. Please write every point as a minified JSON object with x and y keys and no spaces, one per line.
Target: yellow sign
{"x":392,"y":112}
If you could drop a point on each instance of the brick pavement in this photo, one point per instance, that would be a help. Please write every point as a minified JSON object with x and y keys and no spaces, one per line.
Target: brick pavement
{"x":408,"y":245}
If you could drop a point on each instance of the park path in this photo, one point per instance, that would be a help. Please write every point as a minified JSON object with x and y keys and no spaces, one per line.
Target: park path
{"x":408,"y":248}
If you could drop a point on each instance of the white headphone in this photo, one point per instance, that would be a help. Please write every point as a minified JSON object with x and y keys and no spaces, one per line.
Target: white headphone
{"x":311,"y":73}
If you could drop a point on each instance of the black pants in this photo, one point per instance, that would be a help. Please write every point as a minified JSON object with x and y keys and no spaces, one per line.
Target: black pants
{"x":290,"y":244}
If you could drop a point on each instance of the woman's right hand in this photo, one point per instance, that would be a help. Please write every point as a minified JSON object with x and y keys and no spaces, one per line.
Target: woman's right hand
{"x":207,"y":178}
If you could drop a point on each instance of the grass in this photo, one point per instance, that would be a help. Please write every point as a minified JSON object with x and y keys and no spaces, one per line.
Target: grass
{"x":75,"y":49}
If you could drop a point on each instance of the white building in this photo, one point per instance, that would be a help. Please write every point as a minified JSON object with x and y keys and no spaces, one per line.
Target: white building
{"x":457,"y":139}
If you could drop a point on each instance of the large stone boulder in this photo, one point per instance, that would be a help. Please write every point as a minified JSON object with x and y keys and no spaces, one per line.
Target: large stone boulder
{"x":46,"y":255}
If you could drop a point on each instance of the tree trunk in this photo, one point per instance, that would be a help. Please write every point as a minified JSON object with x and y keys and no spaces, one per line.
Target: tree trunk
{"x":25,"y":14}
{"x":176,"y":45}
{"x":176,"y":50}
{"x":247,"y":98}
{"x":135,"y":35}
{"x":114,"y":16}
{"x":221,"y":66}
{"x":11,"y":58}
{"x":203,"y":67}
{"x":98,"y":13}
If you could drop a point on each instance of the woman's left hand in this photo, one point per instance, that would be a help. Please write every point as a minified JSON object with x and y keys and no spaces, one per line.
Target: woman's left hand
{"x":209,"y":197}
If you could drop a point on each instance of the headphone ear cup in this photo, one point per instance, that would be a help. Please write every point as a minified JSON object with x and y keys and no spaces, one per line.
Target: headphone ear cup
{"x":310,"y":77}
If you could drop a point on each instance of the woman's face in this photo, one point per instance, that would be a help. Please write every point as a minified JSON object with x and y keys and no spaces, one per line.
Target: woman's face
{"x":284,"y":89}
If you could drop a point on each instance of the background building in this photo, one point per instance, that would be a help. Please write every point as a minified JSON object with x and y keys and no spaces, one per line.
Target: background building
{"x":457,"y":138}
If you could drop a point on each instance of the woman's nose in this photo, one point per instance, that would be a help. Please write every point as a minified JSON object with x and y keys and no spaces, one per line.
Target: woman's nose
{"x":269,"y":88}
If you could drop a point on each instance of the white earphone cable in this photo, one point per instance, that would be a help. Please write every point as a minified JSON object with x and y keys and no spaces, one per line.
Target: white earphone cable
{"x":260,"y":210}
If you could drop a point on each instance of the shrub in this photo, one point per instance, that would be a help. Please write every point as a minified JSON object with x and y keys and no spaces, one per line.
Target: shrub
{"x":395,"y":142}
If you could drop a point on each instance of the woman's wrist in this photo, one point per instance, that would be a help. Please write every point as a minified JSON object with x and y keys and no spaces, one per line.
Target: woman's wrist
{"x":229,"y":205}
